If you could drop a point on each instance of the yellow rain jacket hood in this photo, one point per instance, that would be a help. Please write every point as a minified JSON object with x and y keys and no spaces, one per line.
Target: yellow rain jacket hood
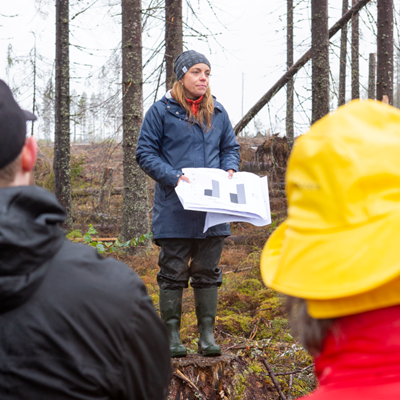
{"x":339,"y":246}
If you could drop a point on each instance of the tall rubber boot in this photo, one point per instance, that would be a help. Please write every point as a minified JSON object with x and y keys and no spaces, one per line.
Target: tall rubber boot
{"x":206,"y":301}
{"x":171,"y":309}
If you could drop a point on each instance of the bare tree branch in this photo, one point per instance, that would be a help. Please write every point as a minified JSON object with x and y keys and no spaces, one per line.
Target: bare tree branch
{"x":294,"y":69}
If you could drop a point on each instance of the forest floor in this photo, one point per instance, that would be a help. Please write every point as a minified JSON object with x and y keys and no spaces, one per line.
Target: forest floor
{"x":252,"y":324}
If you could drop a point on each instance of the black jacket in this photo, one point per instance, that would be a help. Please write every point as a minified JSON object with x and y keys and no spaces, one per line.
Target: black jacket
{"x":73,"y":325}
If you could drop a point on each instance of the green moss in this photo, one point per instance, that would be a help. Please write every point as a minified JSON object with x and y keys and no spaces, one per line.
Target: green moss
{"x":280,"y":324}
{"x":236,"y":324}
{"x":227,"y":312}
{"x":270,"y":304}
{"x":155,"y":298}
{"x":287,"y":337}
{"x":74,"y":235}
{"x":262,"y":295}
{"x":239,"y":385}
{"x":249,"y":286}
{"x":256,"y":368}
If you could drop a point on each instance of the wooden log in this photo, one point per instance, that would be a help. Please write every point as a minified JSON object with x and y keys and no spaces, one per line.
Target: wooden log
{"x":250,"y":240}
{"x":254,"y":166}
{"x":96,"y":191}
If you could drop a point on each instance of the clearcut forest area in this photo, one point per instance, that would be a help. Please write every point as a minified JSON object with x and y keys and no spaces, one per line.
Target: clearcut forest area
{"x":252,"y":325}
{"x":277,"y":69}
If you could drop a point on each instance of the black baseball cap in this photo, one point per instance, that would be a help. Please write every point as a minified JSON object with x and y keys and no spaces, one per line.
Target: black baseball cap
{"x":12,"y":126}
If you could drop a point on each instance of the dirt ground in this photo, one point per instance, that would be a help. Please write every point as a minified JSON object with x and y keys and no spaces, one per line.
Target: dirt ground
{"x":251,"y":327}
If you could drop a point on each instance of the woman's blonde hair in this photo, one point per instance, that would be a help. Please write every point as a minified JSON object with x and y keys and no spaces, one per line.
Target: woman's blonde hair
{"x":206,"y":107}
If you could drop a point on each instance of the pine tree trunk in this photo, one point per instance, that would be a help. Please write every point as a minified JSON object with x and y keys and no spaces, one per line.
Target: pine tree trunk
{"x":135,"y":203}
{"x":343,"y":59}
{"x":355,"y":68}
{"x":173,"y":37}
{"x":385,"y":50}
{"x":62,"y":169}
{"x":372,"y":76}
{"x":320,"y":59}
{"x":290,"y":84}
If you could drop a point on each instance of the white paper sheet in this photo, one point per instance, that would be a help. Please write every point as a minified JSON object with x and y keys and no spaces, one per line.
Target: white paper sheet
{"x":242,"y":198}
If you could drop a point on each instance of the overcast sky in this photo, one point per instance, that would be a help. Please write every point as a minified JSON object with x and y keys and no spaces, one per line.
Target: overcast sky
{"x":248,"y":50}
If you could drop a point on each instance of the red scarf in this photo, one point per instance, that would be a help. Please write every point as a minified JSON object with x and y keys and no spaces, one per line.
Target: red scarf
{"x":360,"y":359}
{"x":194,"y":104}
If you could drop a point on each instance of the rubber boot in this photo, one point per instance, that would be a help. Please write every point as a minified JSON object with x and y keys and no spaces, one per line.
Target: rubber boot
{"x":171,"y":309}
{"x":206,"y":301}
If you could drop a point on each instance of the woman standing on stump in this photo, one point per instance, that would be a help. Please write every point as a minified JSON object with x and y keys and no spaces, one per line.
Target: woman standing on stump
{"x":187,"y":128}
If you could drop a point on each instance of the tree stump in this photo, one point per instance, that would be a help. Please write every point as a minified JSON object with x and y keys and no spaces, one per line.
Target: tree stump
{"x":196,"y":377}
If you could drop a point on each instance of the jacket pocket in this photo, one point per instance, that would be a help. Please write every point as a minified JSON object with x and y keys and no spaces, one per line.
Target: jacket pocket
{"x":163,"y":193}
{"x":169,"y":191}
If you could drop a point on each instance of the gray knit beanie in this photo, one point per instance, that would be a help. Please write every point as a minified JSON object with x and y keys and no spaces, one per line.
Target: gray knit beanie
{"x":186,"y":60}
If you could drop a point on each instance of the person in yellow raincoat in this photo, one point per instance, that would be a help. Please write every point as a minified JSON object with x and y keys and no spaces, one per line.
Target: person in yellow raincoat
{"x":337,"y":254}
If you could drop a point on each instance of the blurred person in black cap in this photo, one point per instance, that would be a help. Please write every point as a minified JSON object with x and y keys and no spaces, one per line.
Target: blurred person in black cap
{"x":72,"y":324}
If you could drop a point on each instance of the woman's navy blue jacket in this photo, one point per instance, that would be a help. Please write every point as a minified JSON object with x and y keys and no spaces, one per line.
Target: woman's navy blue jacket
{"x":168,"y":143}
